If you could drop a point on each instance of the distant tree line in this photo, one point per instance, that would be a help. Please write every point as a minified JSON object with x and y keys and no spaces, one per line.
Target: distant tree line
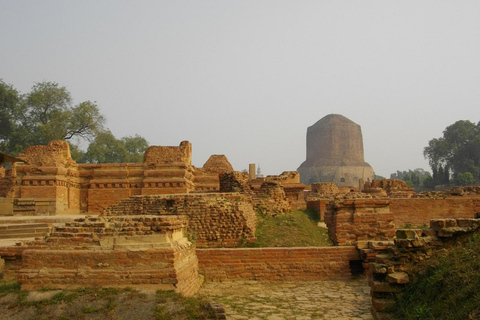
{"x":47,"y":113}
{"x":418,"y":179}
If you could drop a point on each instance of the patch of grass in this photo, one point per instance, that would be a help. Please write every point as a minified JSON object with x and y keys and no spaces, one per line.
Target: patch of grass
{"x":171,"y":305}
{"x":294,"y":229}
{"x":9,"y":287}
{"x":449,"y":290}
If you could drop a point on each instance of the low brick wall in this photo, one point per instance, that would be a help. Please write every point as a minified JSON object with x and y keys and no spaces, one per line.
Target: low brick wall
{"x":315,"y":263}
{"x":163,"y":269}
{"x":418,"y":212}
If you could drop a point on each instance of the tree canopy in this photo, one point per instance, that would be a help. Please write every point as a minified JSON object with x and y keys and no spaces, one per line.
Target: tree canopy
{"x":47,"y":113}
{"x":456,"y":155}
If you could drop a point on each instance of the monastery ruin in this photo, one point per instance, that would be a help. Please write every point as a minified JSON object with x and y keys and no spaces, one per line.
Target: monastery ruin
{"x":168,"y":225}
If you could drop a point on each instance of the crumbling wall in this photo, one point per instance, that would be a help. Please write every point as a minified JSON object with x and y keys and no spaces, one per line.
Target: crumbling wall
{"x":116,"y":251}
{"x":395,"y":265}
{"x":290,"y":182}
{"x":214,"y":220}
{"x":394,"y":188}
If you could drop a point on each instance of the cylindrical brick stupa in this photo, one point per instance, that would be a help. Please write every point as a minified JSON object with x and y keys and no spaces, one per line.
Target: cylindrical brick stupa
{"x":335,"y":153}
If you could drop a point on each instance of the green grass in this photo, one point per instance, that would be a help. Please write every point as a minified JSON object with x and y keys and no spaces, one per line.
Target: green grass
{"x":294,"y":229}
{"x":102,"y":303}
{"x":8,"y":287}
{"x":171,"y":305}
{"x":449,"y":290}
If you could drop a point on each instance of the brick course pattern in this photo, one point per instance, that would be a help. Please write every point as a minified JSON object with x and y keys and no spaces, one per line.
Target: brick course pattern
{"x":282,"y":264}
{"x":350,"y":221}
{"x":117,"y":251}
{"x":418,"y":211}
{"x":214,"y":220}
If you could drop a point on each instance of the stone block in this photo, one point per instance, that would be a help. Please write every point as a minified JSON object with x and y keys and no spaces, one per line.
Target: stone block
{"x":398,"y":277}
{"x":408,"y":233}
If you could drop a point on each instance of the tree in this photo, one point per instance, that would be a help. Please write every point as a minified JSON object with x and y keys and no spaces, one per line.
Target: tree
{"x":457,"y":152}
{"x":43,"y":115}
{"x":105,"y":149}
{"x":135,"y":147}
{"x":9,"y":99}
{"x":47,"y":113}
{"x":108,"y":149}
{"x":465,"y":179}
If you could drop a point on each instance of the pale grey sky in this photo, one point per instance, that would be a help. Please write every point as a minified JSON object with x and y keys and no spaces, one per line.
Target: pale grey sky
{"x":246,"y":78}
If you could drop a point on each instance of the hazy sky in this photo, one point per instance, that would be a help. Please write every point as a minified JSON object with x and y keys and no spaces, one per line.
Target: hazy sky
{"x":246,"y":78}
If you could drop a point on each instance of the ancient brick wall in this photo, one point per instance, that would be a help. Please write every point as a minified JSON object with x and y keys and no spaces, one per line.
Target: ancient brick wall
{"x":319,"y":206}
{"x":290,"y":182}
{"x":350,"y":221}
{"x":116,"y":251}
{"x":393,"y":266}
{"x":214,"y":220}
{"x":159,"y":268}
{"x":50,"y":173}
{"x":419,"y":211}
{"x":319,"y":263}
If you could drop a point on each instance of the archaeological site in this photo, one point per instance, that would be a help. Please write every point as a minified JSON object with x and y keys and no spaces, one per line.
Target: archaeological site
{"x":168,"y":225}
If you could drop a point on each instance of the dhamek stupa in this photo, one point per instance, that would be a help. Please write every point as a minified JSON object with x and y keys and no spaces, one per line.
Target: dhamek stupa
{"x":335,"y":153}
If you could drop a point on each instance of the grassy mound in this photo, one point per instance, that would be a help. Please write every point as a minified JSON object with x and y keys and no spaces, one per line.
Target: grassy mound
{"x":295,"y":229}
{"x":98,"y":304}
{"x":450,"y":290}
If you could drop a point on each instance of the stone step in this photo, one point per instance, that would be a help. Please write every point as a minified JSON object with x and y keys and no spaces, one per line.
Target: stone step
{"x":22,"y":236}
{"x":23,"y":226}
{"x":23,"y":231}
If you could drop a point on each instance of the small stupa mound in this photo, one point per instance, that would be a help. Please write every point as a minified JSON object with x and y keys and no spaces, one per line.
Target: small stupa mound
{"x":218,"y":163}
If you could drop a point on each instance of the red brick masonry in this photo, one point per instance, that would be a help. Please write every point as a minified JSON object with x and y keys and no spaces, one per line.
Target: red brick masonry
{"x":315,"y":263}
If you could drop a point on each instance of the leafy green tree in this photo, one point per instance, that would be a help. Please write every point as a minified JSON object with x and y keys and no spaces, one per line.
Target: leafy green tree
{"x":105,"y":149}
{"x":136,"y":147}
{"x":108,"y":149}
{"x":465,"y":179}
{"x":9,"y":99}
{"x":458,"y":151}
{"x":43,"y":115}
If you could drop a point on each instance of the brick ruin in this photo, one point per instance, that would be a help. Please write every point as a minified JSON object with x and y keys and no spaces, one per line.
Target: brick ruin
{"x":212,"y":220}
{"x":50,"y":182}
{"x":394,"y":264}
{"x":141,"y":214}
{"x":114,"y":251}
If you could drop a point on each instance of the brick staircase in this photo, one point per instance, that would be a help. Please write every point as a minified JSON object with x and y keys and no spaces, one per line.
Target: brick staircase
{"x":24,"y":230}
